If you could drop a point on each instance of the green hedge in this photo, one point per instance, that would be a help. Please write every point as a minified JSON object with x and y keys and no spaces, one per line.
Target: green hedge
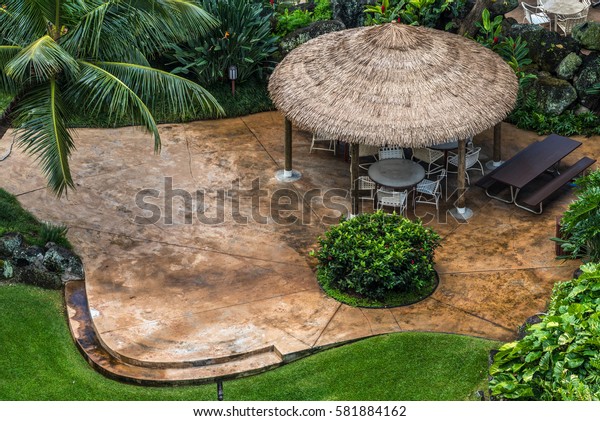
{"x":374,"y":254}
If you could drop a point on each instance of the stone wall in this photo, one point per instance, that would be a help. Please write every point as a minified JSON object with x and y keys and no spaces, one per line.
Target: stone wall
{"x":565,"y":73}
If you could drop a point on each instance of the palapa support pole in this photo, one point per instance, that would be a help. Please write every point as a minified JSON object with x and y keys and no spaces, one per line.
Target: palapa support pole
{"x":287,"y":148}
{"x":354,"y":151}
{"x":288,"y":174}
{"x":497,"y":153}
{"x":461,"y":212}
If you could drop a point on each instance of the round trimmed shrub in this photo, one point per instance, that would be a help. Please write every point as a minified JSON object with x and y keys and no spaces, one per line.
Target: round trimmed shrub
{"x":374,"y":254}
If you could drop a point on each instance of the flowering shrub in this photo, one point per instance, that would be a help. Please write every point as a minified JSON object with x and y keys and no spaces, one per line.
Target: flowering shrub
{"x":373,"y":254}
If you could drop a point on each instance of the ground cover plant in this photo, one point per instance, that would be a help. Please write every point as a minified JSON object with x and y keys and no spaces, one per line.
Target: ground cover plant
{"x":559,"y":358}
{"x":49,"y":367}
{"x":13,"y":218}
{"x":377,"y":259}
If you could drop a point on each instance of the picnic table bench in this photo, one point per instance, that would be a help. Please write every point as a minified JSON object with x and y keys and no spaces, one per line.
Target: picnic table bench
{"x":536,"y":197}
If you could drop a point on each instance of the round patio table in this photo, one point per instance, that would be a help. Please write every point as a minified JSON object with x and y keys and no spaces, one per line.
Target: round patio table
{"x":563,"y":7}
{"x":448,"y":146}
{"x":398,"y":174}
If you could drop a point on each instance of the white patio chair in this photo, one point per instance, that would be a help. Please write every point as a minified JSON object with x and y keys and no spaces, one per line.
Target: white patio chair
{"x":430,"y":191}
{"x":471,"y":161}
{"x":368,"y":185}
{"x":431,"y":157}
{"x":322,"y":142}
{"x":566,"y":23}
{"x":393,"y":199}
{"x":367,"y":151}
{"x":391,"y":152}
{"x":534,"y":15}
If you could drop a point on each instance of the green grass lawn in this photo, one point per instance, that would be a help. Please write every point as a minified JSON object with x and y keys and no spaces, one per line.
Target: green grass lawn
{"x":39,"y":361}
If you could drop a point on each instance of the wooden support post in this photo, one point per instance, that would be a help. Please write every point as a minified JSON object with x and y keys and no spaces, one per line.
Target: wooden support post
{"x":497,"y":143}
{"x":462,"y":147}
{"x":287,"y":147}
{"x":354,"y":177}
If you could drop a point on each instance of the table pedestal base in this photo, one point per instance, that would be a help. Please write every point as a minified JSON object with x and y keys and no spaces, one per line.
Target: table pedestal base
{"x":461,"y":213}
{"x":492,"y":165}
{"x":288,"y":176}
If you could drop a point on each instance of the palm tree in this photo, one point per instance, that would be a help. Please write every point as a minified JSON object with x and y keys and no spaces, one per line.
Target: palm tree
{"x":58,"y":56}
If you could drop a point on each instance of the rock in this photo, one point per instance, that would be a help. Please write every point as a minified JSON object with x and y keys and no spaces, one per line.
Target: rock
{"x":10,"y":242}
{"x":588,"y":35}
{"x":589,"y":75}
{"x":6,"y":269}
{"x":33,"y":255}
{"x":522,"y":330}
{"x":350,"y":12}
{"x":568,"y":66}
{"x":507,"y":23}
{"x":301,"y":35}
{"x":582,"y":110}
{"x":32,"y":275}
{"x":546,"y":48}
{"x":553,"y":95}
{"x":499,"y":8}
{"x":64,"y":262}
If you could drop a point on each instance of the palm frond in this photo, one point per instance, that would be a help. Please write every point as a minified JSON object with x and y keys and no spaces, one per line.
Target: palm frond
{"x":40,"y":120}
{"x":154,"y":86}
{"x":185,"y":17}
{"x":7,"y":53}
{"x":84,"y":39}
{"x":101,"y":91}
{"x":41,"y":61}
{"x":24,"y":23}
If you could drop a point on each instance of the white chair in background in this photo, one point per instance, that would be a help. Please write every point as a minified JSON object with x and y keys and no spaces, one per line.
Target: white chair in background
{"x":430,"y":191}
{"x":322,"y":143}
{"x":368,"y":185}
{"x":471,"y":162}
{"x":535,"y":15}
{"x":566,"y":22}
{"x":431,"y":157}
{"x":391,"y":152}
{"x":393,"y":199}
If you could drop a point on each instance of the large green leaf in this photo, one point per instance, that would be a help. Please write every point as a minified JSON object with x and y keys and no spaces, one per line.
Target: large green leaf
{"x":40,"y":61}
{"x":41,"y":127}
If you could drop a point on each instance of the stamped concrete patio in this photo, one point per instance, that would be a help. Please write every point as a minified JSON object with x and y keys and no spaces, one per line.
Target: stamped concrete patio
{"x":197,"y":260}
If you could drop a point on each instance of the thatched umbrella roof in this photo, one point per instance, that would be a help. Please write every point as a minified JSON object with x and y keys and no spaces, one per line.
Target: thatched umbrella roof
{"x":393,"y":85}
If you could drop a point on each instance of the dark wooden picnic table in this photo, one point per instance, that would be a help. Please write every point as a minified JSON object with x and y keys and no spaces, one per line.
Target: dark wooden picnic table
{"x":532,"y":162}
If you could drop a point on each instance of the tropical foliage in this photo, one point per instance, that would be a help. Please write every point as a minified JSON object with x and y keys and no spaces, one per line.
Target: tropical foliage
{"x":374,"y":254}
{"x":91,"y":56}
{"x":559,"y":358}
{"x":580,"y":224}
{"x":413,"y":12}
{"x":243,"y":38}
{"x":288,"y":22}
{"x":527,"y":115}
